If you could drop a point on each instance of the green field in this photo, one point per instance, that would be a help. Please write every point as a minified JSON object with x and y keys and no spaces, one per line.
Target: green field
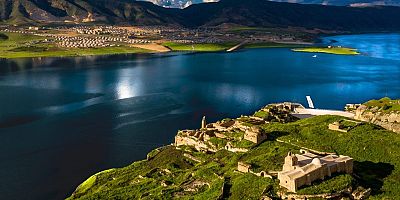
{"x":25,"y":45}
{"x":271,"y":45}
{"x":169,"y":174}
{"x":223,"y":46}
{"x":333,"y":50}
{"x":199,"y":47}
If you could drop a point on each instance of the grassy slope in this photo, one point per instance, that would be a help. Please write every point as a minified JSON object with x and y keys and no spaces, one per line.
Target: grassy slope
{"x":375,"y":151}
{"x":333,"y":50}
{"x":385,"y":104}
{"x":271,"y":45}
{"x":223,"y":46}
{"x":22,"y":45}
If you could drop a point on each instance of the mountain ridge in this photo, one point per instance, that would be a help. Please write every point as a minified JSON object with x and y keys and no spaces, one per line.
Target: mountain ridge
{"x":354,"y":3}
{"x":256,"y":13}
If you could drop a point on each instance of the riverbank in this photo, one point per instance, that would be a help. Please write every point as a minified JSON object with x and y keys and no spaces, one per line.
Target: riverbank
{"x":16,"y":45}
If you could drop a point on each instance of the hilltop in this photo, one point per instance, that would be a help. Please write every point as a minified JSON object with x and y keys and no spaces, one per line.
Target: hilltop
{"x":254,"y":13}
{"x":221,"y":160}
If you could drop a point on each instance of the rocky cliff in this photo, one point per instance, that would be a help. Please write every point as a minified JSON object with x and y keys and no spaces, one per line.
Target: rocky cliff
{"x":381,"y":112}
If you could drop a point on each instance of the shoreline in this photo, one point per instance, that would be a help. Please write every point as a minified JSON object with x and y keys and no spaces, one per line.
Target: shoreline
{"x":152,"y":50}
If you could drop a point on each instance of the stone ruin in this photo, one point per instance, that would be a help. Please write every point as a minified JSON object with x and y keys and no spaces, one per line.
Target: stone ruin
{"x":199,"y":138}
{"x":338,"y":126}
{"x":303,"y":169}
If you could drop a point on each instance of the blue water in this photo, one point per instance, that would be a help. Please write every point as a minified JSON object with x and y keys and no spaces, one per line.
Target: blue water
{"x":64,"y":119}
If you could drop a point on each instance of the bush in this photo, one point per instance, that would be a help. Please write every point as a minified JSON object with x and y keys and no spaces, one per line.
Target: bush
{"x":3,"y":36}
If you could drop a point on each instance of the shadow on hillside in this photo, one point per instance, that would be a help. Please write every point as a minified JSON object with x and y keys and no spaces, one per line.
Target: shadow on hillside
{"x":276,"y":134}
{"x":371,"y":175}
{"x":226,"y":190}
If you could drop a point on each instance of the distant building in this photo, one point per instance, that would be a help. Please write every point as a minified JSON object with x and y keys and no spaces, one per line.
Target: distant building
{"x":299,"y":170}
{"x":33,"y":28}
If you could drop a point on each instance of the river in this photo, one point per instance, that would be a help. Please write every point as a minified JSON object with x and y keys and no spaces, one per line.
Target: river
{"x":64,"y":119}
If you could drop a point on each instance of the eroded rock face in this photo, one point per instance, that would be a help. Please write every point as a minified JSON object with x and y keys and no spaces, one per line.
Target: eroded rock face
{"x":389,"y":121}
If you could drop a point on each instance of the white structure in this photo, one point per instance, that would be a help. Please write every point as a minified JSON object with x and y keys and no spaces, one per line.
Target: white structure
{"x":310,"y":102}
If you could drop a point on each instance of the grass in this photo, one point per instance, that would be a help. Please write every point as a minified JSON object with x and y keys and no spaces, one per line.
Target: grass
{"x":249,"y":186}
{"x":270,"y":45}
{"x":3,"y":37}
{"x":337,"y":183}
{"x":219,"y":143}
{"x":269,"y":155}
{"x":199,"y":47}
{"x":385,"y":104}
{"x":262,"y":114}
{"x":333,"y":50}
{"x":222,"y":46}
{"x":243,"y":144}
{"x":26,"y":45}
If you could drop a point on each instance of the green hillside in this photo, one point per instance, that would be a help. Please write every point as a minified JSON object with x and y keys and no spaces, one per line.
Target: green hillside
{"x":170,"y":173}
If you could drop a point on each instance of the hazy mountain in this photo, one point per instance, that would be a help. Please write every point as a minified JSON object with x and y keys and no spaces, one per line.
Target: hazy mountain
{"x":241,"y":12}
{"x":185,"y":3}
{"x":178,"y":3}
{"x":346,"y":2}
{"x":274,"y":14}
{"x":110,"y":11}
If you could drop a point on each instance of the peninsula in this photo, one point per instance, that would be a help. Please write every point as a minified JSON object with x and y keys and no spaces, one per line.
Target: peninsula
{"x":329,"y":50}
{"x":276,"y":153}
{"x":80,"y":40}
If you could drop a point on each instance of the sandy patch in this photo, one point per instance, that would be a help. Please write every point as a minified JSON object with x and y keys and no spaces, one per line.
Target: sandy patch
{"x":152,"y":47}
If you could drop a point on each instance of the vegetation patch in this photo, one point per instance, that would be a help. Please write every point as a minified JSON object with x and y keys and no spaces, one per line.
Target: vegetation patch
{"x":243,"y":144}
{"x":199,"y":47}
{"x":29,"y":49}
{"x":262,"y":114}
{"x":271,"y":45}
{"x":332,"y":50}
{"x":332,"y":185}
{"x":3,"y":37}
{"x":385,"y":105}
{"x":249,"y":186}
{"x":219,"y":143}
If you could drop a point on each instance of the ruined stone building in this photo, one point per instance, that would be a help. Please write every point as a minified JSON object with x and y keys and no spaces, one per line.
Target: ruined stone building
{"x":303,"y":169}
{"x":243,"y":167}
{"x":255,"y":135}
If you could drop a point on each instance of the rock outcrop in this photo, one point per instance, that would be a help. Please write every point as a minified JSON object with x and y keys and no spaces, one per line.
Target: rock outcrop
{"x":389,"y":121}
